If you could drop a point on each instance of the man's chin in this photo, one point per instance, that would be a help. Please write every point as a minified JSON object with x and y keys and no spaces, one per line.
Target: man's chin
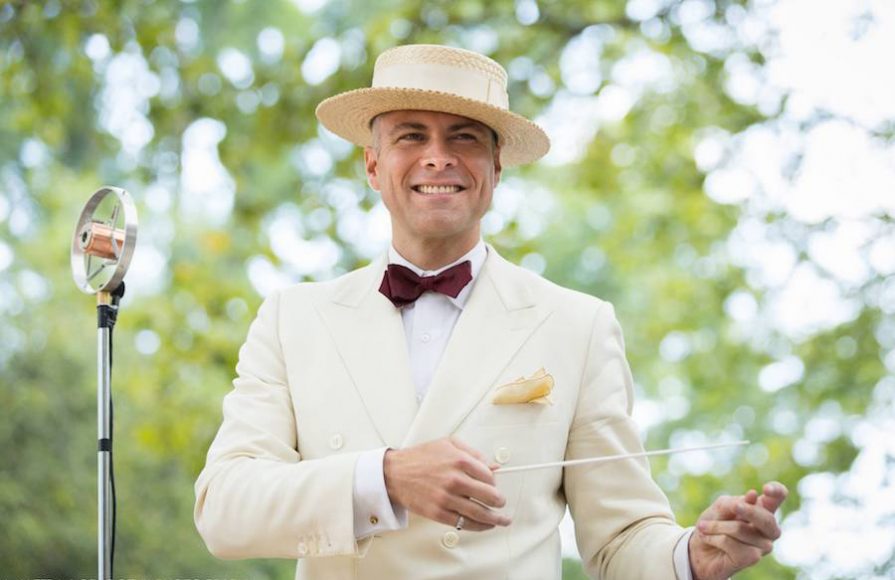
{"x":442,"y":233}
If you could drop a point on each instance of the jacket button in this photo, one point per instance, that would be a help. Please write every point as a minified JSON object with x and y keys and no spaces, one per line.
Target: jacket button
{"x":450,"y":539}
{"x":502,"y":455}
{"x":302,"y":549}
{"x":336,"y":442}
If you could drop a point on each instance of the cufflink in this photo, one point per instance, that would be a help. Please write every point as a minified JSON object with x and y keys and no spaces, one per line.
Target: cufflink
{"x":374,"y":520}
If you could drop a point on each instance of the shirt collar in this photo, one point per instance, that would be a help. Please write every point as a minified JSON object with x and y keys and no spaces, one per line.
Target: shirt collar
{"x":476,"y":257}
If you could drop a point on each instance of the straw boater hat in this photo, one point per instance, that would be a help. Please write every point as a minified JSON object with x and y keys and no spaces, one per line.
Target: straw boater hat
{"x":436,"y":78}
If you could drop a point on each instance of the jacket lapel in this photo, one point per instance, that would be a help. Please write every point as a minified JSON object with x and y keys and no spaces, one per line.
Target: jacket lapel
{"x":498,"y":318}
{"x":369,"y":334}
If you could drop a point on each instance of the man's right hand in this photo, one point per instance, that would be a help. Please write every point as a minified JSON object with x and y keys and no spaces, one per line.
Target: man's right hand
{"x":442,"y":480}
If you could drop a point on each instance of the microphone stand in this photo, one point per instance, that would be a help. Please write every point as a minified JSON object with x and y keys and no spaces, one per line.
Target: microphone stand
{"x":107,"y":314}
{"x":101,"y":251}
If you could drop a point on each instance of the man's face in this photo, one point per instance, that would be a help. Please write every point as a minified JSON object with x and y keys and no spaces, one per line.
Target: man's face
{"x":436,"y":173}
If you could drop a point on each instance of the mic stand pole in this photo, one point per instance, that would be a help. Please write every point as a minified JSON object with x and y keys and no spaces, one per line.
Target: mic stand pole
{"x":107,"y":313}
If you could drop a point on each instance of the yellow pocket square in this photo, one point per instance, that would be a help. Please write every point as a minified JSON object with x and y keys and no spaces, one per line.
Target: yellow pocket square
{"x":534,"y":389}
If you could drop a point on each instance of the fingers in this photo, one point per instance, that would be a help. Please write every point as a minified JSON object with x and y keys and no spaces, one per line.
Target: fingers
{"x":736,"y":531}
{"x":723,"y":508}
{"x":774,"y":494}
{"x":748,"y":509}
{"x":740,"y":555}
{"x":473,"y":463}
{"x":449,"y":518}
{"x":474,"y":497}
{"x":471,"y":450}
{"x":739,"y":531}
{"x":759,"y":510}
{"x":474,"y":526}
{"x":761,"y":519}
{"x":466,"y":487}
{"x":442,"y":480}
{"x":479,"y":514}
{"x":474,"y":501}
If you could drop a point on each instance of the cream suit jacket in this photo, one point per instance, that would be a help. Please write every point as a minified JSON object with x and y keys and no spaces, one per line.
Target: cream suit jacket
{"x":324,"y":375}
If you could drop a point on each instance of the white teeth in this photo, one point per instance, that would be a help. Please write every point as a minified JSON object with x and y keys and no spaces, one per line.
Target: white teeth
{"x":438,"y":188}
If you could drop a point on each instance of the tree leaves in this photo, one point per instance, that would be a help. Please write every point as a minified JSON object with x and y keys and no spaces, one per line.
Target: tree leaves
{"x":627,"y":221}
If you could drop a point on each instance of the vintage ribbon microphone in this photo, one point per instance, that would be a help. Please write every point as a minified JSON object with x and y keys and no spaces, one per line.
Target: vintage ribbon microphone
{"x":101,"y":252}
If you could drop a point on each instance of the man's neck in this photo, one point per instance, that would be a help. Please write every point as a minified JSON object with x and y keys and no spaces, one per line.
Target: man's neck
{"x":433,"y":254}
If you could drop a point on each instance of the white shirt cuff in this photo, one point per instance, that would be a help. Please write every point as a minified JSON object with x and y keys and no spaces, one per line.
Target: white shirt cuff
{"x":373,"y":510}
{"x":682,"y":557}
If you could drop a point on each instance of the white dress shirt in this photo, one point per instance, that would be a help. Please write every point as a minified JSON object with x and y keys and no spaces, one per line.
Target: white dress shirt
{"x":428,"y":324}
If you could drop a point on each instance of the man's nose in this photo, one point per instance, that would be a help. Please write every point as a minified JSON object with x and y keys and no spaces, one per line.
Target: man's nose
{"x":438,"y":155}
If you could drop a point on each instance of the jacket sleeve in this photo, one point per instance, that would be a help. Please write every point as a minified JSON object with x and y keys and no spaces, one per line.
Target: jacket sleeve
{"x":256,"y":497}
{"x":624,"y":525}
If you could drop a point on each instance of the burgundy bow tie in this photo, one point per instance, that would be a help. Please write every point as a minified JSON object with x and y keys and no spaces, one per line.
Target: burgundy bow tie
{"x":402,"y":286}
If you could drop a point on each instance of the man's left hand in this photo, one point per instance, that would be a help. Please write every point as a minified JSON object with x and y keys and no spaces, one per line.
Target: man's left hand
{"x":735,"y":532}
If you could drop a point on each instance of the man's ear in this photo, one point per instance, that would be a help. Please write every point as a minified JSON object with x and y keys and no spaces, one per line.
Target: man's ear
{"x":497,"y":166}
{"x":371,"y":161}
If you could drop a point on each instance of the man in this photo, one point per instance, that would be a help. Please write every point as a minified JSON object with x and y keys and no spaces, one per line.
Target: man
{"x":371,"y":413}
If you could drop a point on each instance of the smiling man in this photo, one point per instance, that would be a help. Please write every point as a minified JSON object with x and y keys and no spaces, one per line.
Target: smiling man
{"x":371,"y":413}
{"x":436,"y":173}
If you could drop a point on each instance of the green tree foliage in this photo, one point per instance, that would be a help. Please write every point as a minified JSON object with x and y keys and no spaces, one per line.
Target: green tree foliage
{"x":125,"y":92}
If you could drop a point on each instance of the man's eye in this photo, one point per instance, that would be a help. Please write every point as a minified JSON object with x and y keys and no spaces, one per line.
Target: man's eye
{"x":411,"y":137}
{"x":465,"y":137}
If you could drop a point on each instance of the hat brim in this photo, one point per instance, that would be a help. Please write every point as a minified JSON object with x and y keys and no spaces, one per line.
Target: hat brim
{"x":349,"y":114}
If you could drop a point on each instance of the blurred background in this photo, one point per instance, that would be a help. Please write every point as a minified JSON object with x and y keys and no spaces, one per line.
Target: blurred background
{"x":722,"y":171}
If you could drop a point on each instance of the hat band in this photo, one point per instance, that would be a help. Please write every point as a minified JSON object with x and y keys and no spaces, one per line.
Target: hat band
{"x":467,"y":83}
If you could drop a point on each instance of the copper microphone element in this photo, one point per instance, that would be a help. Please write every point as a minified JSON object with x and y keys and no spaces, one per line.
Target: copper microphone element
{"x":101,"y":240}
{"x":104,"y":240}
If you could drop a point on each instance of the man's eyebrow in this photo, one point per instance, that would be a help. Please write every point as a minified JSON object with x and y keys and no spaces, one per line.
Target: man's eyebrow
{"x":407,"y":125}
{"x":468,"y":125}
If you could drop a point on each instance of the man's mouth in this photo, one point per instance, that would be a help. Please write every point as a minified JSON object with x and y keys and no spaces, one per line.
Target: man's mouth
{"x":436,"y":189}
